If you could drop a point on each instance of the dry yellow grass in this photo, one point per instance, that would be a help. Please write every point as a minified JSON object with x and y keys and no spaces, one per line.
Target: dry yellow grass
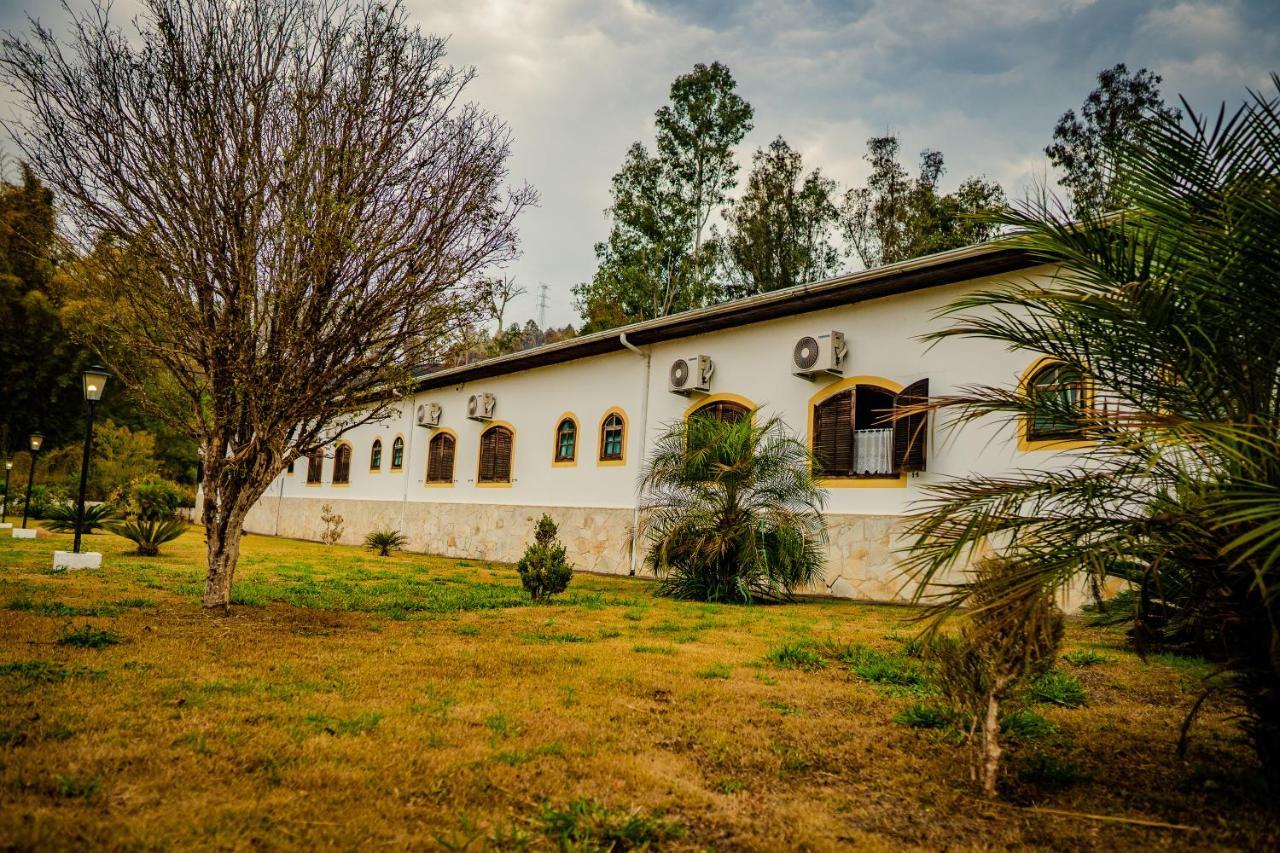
{"x":368,"y":712}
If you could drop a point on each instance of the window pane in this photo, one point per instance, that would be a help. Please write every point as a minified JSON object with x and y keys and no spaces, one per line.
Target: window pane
{"x":1062,"y":390}
{"x":397,"y":453}
{"x":342,"y":464}
{"x":375,"y":456}
{"x":566,"y":441}
{"x":611,"y":438}
{"x":315,"y":465}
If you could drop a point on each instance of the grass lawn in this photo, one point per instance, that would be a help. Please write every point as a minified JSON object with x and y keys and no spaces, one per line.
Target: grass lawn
{"x":420,"y":701}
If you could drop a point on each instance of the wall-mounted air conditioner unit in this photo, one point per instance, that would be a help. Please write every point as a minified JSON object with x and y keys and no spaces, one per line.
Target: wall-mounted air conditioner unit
{"x":815,"y":355}
{"x":480,"y":407}
{"x":428,"y":415}
{"x":691,"y":375}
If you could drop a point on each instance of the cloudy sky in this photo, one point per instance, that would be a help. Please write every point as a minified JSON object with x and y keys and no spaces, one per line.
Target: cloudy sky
{"x":981,"y":80}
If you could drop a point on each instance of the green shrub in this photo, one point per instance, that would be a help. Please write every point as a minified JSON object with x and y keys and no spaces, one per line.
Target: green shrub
{"x":383,"y":542}
{"x":544,"y":571}
{"x":1046,"y":771}
{"x":43,"y":500}
{"x":589,"y":825}
{"x":88,"y":637}
{"x":155,"y":498}
{"x":880,"y":668}
{"x":732,"y":511}
{"x":61,"y":517}
{"x":796,"y":656}
{"x":1083,"y":658}
{"x":77,"y":786}
{"x":149,"y":535}
{"x":716,"y":670}
{"x":925,"y":716}
{"x":1058,"y":688}
{"x":1024,"y":725}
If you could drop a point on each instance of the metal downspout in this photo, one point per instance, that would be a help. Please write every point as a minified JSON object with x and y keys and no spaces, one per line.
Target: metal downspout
{"x":644,"y":437}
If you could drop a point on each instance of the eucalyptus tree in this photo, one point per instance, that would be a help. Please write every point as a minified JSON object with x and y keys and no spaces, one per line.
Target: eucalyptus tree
{"x":1085,"y":143}
{"x":780,"y":229}
{"x":895,"y":217}
{"x":291,"y":200}
{"x":1167,"y":313}
{"x":658,"y":258}
{"x":697,"y":133}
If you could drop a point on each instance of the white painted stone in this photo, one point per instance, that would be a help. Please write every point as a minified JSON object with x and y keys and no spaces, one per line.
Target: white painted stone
{"x":63,"y":560}
{"x":24,"y":533}
{"x":8,"y":525}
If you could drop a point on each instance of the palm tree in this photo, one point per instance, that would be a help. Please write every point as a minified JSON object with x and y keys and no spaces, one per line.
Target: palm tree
{"x":1170,"y":311}
{"x":732,"y":511}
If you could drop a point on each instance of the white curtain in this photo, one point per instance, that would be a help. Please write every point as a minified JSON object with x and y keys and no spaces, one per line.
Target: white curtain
{"x":873,"y":451}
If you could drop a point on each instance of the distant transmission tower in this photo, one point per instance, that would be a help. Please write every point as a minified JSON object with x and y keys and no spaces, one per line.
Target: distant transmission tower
{"x":542,"y":306}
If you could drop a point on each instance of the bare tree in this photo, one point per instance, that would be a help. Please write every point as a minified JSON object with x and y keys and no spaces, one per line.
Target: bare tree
{"x":498,"y":295}
{"x":291,"y":200}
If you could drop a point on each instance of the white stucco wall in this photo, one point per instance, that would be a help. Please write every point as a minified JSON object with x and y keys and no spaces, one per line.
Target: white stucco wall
{"x":751,"y":362}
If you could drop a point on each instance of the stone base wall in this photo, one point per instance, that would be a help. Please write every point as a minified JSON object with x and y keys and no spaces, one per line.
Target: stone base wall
{"x":860,"y":561}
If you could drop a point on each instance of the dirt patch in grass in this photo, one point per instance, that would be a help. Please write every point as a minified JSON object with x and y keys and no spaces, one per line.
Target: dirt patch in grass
{"x":421,"y":701}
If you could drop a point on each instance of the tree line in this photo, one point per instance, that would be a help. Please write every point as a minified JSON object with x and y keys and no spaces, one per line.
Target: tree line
{"x":667,"y":251}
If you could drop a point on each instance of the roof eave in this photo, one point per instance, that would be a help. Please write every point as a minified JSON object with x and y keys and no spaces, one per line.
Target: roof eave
{"x":984,"y":259}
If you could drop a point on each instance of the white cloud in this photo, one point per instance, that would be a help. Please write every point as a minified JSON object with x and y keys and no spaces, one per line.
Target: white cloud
{"x":981,"y":80}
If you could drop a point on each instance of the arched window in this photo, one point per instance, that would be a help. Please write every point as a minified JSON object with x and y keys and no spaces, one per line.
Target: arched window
{"x":496,"y":446}
{"x":315,"y":467}
{"x":342,"y":464}
{"x":397,"y":454}
{"x":867,"y":431}
{"x":613,"y":437}
{"x":440,"y":458}
{"x":566,"y":440}
{"x":375,"y":455}
{"x":728,"y":411}
{"x":1058,"y":392}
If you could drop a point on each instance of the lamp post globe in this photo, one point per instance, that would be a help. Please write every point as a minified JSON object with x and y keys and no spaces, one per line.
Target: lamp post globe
{"x":34,"y":443}
{"x":94,"y":380}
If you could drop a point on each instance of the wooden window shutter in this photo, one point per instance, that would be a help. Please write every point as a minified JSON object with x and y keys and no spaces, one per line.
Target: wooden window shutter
{"x":342,"y":464}
{"x":833,"y":435}
{"x":502,"y":454}
{"x":495,"y":456}
{"x":440,"y":459}
{"x":911,"y":431}
{"x":485,"y":474}
{"x":447,"y":446}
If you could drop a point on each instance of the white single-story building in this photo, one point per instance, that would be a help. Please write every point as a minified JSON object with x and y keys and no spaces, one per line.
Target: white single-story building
{"x":479,"y":452}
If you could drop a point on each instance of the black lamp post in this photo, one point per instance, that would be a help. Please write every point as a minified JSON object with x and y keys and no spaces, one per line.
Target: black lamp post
{"x":36,"y":441}
{"x":4,"y":509}
{"x":95,"y":380}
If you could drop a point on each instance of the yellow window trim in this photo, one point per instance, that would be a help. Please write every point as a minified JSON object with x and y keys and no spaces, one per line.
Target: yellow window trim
{"x":391,"y":449}
{"x":719,"y":398}
{"x":480,"y":450}
{"x":431,"y":484}
{"x":898,"y":482}
{"x":611,"y":463}
{"x":555,"y":441}
{"x":1030,"y":445}
{"x":377,"y":470}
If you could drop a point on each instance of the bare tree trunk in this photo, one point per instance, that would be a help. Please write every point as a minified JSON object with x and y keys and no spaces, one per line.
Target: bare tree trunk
{"x":224,"y":514}
{"x":223,"y":552}
{"x":991,"y":746}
